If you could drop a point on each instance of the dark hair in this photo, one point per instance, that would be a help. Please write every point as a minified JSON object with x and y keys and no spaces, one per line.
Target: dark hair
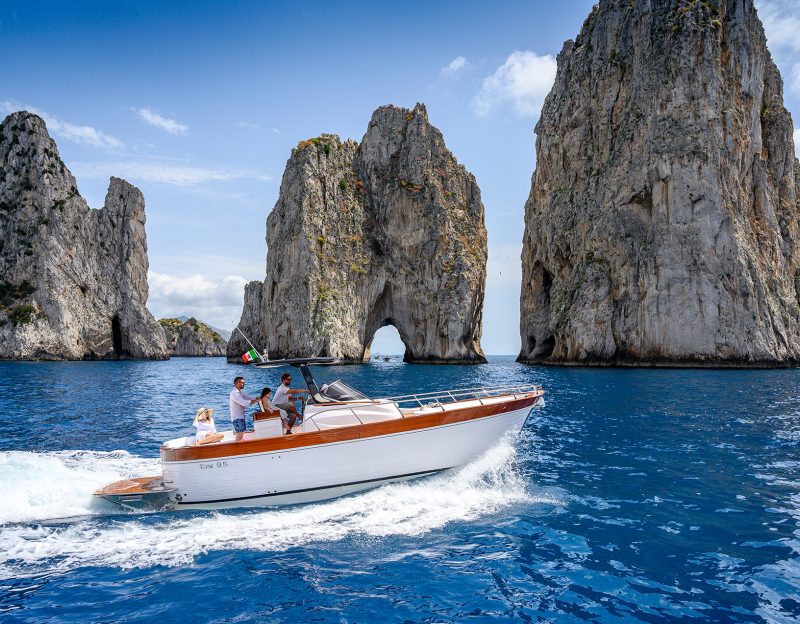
{"x":265,"y":392}
{"x":236,"y":380}
{"x":284,"y":376}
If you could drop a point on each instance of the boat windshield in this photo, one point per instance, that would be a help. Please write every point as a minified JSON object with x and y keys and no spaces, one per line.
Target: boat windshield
{"x":340,"y":391}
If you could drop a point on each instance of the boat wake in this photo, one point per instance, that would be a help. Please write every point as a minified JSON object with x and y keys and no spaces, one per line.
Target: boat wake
{"x":483,"y":487}
{"x":49,"y":486}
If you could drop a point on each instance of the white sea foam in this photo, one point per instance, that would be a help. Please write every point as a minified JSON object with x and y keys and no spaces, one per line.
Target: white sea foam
{"x":46,"y":486}
{"x":482,"y":487}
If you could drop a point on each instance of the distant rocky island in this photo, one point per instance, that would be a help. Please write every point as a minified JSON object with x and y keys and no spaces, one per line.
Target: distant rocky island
{"x":386,"y":231}
{"x":662,"y":224}
{"x":225,"y":333}
{"x":192,"y":338}
{"x":73,"y":281}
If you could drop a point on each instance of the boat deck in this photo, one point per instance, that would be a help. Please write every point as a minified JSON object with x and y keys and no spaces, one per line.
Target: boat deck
{"x":327,"y":422}
{"x":335,"y":415}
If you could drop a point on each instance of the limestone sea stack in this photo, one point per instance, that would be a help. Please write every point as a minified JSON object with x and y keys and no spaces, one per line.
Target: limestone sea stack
{"x":73,"y":281}
{"x":662,"y":223}
{"x":192,"y":338}
{"x":386,"y":231}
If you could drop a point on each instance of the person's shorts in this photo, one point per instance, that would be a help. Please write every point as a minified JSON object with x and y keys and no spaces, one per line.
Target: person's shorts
{"x":239,"y":425}
{"x":287,"y":407}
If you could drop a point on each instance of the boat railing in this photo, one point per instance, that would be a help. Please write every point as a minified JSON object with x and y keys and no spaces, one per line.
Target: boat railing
{"x":432,"y":400}
{"x":436,"y":399}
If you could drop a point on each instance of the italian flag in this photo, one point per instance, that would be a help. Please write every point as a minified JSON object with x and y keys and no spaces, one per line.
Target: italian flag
{"x":251,"y":355}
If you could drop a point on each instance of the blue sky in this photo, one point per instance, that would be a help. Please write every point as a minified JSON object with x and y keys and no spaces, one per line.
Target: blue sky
{"x":200,"y":103}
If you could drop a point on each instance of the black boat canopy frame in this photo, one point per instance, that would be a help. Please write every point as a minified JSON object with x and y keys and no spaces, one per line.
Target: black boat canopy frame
{"x":303,"y":364}
{"x":297,"y":362}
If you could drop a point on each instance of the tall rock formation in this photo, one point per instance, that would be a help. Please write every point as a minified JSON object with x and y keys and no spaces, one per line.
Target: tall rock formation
{"x":388,"y":231}
{"x":73,"y":281}
{"x":662,"y":222}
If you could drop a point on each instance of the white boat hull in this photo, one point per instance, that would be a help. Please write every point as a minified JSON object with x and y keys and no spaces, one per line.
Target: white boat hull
{"x":324,"y":471}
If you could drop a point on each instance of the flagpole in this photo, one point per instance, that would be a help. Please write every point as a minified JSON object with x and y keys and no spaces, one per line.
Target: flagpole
{"x":252,"y":346}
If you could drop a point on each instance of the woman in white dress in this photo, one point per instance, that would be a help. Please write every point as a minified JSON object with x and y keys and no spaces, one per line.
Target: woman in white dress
{"x":206,"y":430}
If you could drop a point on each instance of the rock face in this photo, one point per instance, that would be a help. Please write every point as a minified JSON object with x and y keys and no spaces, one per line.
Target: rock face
{"x":662,"y":222}
{"x":73,"y":281}
{"x":192,"y":338}
{"x":252,"y":324}
{"x":388,"y":231}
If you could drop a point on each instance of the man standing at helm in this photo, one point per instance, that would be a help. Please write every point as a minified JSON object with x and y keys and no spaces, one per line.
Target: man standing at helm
{"x":239,"y":401}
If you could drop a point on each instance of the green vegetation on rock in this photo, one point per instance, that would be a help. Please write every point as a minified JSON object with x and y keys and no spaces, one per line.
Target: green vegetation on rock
{"x":9,"y":293}
{"x":21,"y":314}
{"x":173,"y":328}
{"x":204,"y":330}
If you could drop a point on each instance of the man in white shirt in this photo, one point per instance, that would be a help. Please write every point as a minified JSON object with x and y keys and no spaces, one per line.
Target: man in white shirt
{"x":283,"y":400}
{"x":239,"y":401}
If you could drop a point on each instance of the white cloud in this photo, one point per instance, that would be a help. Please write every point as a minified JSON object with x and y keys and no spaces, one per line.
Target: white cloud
{"x":247,"y":124}
{"x":797,"y":142}
{"x":215,"y":301}
{"x":152,"y":118}
{"x":781,"y":19}
{"x":160,"y":173}
{"x":456,"y":66}
{"x":522,"y":82}
{"x":66,"y":130}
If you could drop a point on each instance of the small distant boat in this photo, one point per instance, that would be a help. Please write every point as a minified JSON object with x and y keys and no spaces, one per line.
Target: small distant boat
{"x":387,"y":358}
{"x":348,"y":442}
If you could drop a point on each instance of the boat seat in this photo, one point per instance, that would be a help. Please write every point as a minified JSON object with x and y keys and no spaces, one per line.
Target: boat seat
{"x":267,"y":424}
{"x":180,"y":442}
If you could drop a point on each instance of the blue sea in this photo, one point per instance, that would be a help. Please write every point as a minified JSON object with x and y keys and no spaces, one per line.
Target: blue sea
{"x":633,"y":496}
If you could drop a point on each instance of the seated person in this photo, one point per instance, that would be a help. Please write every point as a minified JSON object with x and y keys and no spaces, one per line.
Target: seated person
{"x":267,"y":406}
{"x":284,"y":396}
{"x":206,"y":430}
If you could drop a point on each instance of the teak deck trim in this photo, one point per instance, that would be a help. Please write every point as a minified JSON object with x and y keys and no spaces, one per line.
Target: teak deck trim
{"x":136,"y":485}
{"x":343,"y":434}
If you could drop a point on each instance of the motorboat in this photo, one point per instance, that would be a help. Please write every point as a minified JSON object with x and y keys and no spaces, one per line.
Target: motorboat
{"x":347,"y":442}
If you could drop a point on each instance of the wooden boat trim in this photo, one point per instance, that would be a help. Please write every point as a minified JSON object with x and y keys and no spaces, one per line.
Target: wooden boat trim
{"x":266,"y":415}
{"x":410,"y":422}
{"x":136,"y":485}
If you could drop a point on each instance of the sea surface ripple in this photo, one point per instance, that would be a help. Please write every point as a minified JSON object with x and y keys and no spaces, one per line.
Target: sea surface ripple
{"x":634,"y":495}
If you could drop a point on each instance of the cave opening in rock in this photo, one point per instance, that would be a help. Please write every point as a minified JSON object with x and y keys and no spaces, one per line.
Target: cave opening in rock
{"x":116,"y":336}
{"x":541,"y":342}
{"x":385,"y":342}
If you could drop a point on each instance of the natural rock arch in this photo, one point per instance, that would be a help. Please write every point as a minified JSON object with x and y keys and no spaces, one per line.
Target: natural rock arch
{"x":368,"y":348}
{"x":383,"y":313}
{"x":386,"y":230}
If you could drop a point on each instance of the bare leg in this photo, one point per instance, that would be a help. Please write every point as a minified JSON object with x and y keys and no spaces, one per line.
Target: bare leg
{"x":293,"y":416}
{"x":290,"y":424}
{"x":210,"y":439}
